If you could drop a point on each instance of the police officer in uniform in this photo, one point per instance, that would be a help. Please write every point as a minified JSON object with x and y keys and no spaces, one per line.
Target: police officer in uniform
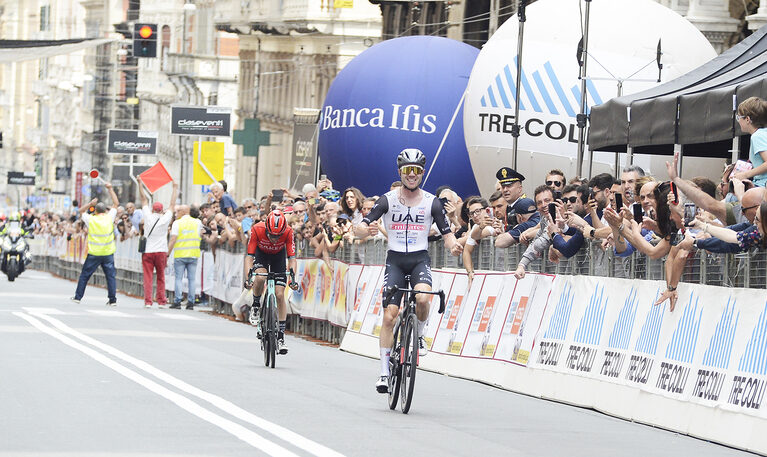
{"x":511,"y":185}
{"x":101,"y":246}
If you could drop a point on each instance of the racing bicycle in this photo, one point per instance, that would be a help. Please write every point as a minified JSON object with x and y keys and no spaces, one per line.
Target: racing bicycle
{"x":269,"y":318}
{"x":403,"y":361}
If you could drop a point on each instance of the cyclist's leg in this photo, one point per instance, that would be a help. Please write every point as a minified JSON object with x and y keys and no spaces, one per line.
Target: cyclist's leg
{"x":259,"y":265}
{"x":394,"y":275}
{"x":277,"y":263}
{"x":421,"y":280}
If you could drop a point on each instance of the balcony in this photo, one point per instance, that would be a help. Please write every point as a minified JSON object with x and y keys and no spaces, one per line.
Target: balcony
{"x":272,"y":15}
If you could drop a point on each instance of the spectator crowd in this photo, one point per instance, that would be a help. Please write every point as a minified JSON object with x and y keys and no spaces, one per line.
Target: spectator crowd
{"x":633,"y":214}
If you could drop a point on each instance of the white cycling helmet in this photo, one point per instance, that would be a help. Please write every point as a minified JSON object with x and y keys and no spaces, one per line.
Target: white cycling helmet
{"x":411,"y":156}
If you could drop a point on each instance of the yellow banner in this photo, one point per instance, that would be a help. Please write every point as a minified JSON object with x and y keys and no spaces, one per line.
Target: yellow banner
{"x":343,"y":3}
{"x":213,"y":158}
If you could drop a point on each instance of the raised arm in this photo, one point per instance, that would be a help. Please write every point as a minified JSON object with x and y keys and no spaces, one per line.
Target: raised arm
{"x":173,"y":197}
{"x":84,"y":208}
{"x":112,"y":194}
{"x":141,"y":185}
{"x":700,"y":198}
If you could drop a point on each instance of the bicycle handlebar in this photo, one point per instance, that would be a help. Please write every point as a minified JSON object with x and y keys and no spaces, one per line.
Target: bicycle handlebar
{"x":388,"y":294}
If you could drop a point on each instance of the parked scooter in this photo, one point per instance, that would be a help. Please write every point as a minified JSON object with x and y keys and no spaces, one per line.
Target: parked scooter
{"x":15,"y":251}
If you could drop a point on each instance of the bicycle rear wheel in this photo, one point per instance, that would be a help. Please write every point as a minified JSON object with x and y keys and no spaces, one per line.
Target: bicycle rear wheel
{"x":394,"y":369}
{"x":409,"y":362}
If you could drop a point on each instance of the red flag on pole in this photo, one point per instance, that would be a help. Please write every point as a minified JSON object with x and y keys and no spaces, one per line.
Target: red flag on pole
{"x":156,"y":177}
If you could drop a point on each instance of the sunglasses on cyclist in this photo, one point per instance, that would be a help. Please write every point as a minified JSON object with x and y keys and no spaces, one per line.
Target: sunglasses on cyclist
{"x":554,"y":183}
{"x":407,"y":169}
{"x":569,"y":199}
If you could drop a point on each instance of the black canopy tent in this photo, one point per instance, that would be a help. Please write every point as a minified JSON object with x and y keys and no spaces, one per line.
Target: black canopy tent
{"x":696,"y":110}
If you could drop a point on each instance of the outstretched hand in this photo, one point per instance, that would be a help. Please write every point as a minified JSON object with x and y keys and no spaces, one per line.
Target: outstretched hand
{"x":671,"y":167}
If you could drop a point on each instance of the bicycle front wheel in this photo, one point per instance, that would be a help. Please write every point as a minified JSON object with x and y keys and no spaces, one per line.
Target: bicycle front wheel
{"x":409,"y":362}
{"x":271,"y":333}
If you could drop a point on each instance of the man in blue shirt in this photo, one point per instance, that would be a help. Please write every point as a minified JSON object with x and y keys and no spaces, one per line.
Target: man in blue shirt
{"x":526,"y":216}
{"x":225,"y":201}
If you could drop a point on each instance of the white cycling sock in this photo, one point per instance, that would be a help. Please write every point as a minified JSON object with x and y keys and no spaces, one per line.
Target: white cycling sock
{"x":421,"y":326}
{"x":385,"y":353}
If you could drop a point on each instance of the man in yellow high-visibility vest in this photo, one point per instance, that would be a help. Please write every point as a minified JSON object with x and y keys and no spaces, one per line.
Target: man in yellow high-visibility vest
{"x":101,"y":246}
{"x":185,"y":238}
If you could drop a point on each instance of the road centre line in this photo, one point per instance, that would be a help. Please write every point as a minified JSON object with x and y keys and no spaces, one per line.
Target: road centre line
{"x":233,"y":428}
{"x":277,"y":430}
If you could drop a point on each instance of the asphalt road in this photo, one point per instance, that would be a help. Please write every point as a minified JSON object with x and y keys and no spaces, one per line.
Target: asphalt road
{"x":86,"y":379}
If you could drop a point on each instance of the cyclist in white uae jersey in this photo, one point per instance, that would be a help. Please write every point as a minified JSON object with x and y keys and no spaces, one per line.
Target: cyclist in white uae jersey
{"x":408,"y":213}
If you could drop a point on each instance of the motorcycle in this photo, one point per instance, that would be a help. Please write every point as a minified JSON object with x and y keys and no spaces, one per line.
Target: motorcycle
{"x":15,"y":252}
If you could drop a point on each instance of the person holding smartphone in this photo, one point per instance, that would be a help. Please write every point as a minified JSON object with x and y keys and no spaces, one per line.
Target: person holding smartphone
{"x":543,"y":197}
{"x":482,"y":227}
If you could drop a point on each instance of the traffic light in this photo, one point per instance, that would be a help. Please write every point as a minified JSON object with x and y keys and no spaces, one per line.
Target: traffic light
{"x":145,"y":40}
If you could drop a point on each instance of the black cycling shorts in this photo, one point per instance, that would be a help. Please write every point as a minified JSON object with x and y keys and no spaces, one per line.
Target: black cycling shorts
{"x":400,"y":264}
{"x":272,"y":262}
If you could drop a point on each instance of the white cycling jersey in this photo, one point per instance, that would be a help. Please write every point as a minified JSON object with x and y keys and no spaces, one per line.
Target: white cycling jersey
{"x":408,"y":227}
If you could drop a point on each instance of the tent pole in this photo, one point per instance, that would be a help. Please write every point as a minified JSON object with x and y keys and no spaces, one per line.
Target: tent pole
{"x":629,"y":156}
{"x":680,"y":149}
{"x":582,"y":118}
{"x":735,"y":149}
{"x":520,"y":40}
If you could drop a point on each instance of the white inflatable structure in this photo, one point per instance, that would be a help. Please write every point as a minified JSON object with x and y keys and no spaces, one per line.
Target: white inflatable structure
{"x":623,"y":40}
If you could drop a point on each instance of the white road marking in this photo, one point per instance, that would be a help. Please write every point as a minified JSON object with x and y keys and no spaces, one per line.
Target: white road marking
{"x":178,"y":317}
{"x":235,"y":429}
{"x":109,"y":313}
{"x":48,"y":311}
{"x":57,"y":297}
{"x":281,"y":432}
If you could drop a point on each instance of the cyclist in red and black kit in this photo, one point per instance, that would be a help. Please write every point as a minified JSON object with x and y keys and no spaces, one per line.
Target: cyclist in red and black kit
{"x":269,"y":243}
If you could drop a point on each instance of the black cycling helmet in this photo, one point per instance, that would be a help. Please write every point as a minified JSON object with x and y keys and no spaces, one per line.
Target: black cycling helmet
{"x":411,"y":156}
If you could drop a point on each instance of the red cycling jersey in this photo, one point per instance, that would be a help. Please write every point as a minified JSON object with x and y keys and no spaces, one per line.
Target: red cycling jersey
{"x":260,"y":240}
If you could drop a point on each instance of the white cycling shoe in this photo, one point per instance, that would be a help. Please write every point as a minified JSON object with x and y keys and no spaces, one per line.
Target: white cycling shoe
{"x":382,"y":385}
{"x":422,"y":350}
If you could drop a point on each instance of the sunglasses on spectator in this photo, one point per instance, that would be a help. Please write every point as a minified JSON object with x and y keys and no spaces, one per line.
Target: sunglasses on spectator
{"x":569,"y":199}
{"x":249,"y":207}
{"x":407,"y":169}
{"x":554,"y":183}
{"x":746,"y":208}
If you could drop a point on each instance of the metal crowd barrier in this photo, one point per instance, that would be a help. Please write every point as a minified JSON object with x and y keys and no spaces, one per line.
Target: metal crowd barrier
{"x":747,"y":270}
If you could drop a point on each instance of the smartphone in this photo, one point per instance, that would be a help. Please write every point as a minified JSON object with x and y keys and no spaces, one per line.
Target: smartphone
{"x":443,"y":200}
{"x":638,"y":216}
{"x":558,"y":195}
{"x":592,"y":194}
{"x":618,"y":202}
{"x":689,"y":213}
{"x":312,"y":201}
{"x":489,"y":211}
{"x":276,"y":195}
{"x":553,"y":211}
{"x":323,"y":177}
{"x":676,"y":194}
